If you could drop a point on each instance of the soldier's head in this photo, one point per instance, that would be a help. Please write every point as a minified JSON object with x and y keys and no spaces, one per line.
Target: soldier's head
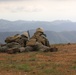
{"x":25,"y":34}
{"x":40,"y":30}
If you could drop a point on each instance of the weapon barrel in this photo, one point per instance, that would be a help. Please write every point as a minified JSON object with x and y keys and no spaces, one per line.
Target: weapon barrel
{"x":28,"y":34}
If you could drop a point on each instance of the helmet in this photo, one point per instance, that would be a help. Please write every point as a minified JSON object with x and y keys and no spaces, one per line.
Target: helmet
{"x":39,"y":30}
{"x":25,"y":34}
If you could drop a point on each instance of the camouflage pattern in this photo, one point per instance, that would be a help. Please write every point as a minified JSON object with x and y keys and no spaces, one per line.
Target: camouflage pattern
{"x":12,"y":38}
{"x":16,"y":43}
{"x":25,"y":34}
{"x":13,"y":47}
{"x":20,"y":43}
{"x":41,"y":38}
{"x":39,"y":30}
{"x":29,"y":48}
{"x":31,"y":42}
{"x":37,"y":46}
{"x":40,"y":47}
{"x":13,"y":50}
{"x":3,"y":49}
{"x":39,"y":41}
{"x":21,"y":39}
{"x":54,"y":49}
{"x":24,"y":39}
{"x":22,"y":49}
{"x":13,"y":44}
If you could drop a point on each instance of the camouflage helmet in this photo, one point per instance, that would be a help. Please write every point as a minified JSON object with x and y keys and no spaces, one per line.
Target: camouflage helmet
{"x":25,"y":34}
{"x":39,"y":30}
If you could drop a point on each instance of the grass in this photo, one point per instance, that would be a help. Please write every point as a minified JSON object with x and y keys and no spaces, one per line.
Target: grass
{"x":32,"y":59}
{"x":24,"y":67}
{"x":73,"y":67}
{"x":15,"y":65}
{"x":41,"y":63}
{"x":53,"y":71}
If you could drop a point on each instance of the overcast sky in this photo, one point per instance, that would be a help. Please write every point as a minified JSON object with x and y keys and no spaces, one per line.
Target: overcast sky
{"x":38,"y":10}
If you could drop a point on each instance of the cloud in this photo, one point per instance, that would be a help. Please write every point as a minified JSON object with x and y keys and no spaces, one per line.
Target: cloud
{"x":34,"y":0}
{"x":2,"y":1}
{"x":18,"y":9}
{"x":14,"y":0}
{"x":10,"y":0}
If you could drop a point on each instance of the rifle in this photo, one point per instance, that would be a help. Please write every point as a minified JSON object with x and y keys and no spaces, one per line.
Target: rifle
{"x":28,"y":34}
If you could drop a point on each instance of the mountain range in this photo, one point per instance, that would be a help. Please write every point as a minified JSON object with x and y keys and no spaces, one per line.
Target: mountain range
{"x":53,"y":37}
{"x":20,"y":25}
{"x":59,"y":31}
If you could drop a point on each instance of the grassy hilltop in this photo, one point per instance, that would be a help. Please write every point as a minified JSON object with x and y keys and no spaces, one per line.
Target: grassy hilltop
{"x":62,"y":62}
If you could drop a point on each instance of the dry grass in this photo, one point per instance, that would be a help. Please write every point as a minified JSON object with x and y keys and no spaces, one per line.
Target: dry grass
{"x":62,"y":62}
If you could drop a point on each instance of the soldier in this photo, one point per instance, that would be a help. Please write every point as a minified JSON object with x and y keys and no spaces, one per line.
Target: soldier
{"x":13,"y":47}
{"x":38,"y":41}
{"x":18,"y":43}
{"x":41,"y":37}
{"x":12,"y":38}
{"x":23,"y":39}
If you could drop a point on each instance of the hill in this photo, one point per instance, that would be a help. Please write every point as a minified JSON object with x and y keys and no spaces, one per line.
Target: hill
{"x":62,"y":62}
{"x":20,"y":25}
{"x":53,"y":37}
{"x":59,"y":31}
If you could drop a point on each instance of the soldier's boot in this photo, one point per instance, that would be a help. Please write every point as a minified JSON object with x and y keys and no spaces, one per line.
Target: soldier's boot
{"x":54,"y":49}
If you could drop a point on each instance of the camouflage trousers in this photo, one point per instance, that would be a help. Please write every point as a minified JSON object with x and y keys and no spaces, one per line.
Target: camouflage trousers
{"x":37,"y":47}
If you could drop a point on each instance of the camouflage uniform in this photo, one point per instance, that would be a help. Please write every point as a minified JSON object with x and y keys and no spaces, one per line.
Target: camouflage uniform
{"x":17,"y":43}
{"x":41,"y":37}
{"x":38,"y":41}
{"x":20,"y":43}
{"x":23,"y":39}
{"x":12,"y":38}
{"x":3,"y":48}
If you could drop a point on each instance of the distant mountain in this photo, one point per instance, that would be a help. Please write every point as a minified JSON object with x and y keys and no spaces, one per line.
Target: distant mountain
{"x":61,"y":37}
{"x":59,"y":31}
{"x":20,"y":25}
{"x":53,"y":37}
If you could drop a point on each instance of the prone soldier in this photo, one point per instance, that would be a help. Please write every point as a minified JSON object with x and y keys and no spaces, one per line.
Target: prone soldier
{"x":38,"y":41}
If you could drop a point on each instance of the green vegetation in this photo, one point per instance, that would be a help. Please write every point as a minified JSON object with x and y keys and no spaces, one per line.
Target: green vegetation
{"x":73,"y":67}
{"x":14,"y":65}
{"x":40,"y":63}
{"x":53,"y":72}
{"x":24,"y":67}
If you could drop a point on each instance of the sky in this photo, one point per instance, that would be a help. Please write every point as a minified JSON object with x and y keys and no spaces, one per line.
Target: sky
{"x":38,"y":10}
